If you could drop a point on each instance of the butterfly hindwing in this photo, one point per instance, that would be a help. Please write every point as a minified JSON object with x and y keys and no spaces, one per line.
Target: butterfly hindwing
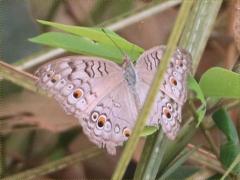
{"x":110,"y":123}
{"x":165,"y":112}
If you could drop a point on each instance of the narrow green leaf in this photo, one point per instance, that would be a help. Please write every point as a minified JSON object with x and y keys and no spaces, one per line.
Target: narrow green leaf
{"x":78,"y":44}
{"x":177,"y":163}
{"x":155,"y":158}
{"x":146,"y":154}
{"x":219,"y":82}
{"x":228,"y":153}
{"x":100,"y":35}
{"x":225,"y":124}
{"x":183,"y":172}
{"x":193,"y":85}
{"x":148,"y":130}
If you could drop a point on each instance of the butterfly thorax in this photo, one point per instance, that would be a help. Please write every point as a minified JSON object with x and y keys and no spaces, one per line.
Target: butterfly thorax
{"x":129,"y":72}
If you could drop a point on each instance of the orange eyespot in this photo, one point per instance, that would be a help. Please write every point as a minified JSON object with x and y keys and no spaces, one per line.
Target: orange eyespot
{"x":167,"y":113}
{"x":173,"y":81}
{"x":102,"y":120}
{"x":126,"y":132}
{"x":94,"y":116}
{"x":77,"y":93}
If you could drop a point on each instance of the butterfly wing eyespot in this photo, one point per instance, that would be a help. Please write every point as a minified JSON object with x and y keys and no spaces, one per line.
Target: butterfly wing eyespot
{"x":101,"y":121}
{"x":173,"y":81}
{"x":94,"y":116}
{"x":78,"y":93}
{"x":126,"y":132}
{"x":167,"y":113}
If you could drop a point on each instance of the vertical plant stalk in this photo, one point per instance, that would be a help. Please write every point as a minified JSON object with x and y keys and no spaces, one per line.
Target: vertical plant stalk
{"x":142,"y":164}
{"x":143,"y":115}
{"x":156,"y":156}
{"x":199,"y":27}
{"x":194,"y":39}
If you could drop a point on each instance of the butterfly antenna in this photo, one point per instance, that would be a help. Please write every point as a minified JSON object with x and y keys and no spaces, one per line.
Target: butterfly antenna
{"x":114,"y":42}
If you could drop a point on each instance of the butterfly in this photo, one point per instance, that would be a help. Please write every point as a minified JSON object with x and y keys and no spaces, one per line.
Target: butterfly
{"x":106,"y":97}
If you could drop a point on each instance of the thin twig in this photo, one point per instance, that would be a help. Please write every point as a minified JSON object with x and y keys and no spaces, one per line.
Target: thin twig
{"x":203,"y":157}
{"x":205,"y":131}
{"x":19,"y":77}
{"x":56,"y":165}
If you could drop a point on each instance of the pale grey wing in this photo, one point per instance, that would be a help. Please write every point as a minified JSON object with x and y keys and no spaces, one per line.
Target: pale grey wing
{"x":110,"y":123}
{"x":166,"y":111}
{"x":78,"y":83}
{"x":175,"y":78}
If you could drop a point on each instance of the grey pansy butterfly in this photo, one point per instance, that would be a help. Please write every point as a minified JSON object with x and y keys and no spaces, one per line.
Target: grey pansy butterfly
{"x":106,"y":97}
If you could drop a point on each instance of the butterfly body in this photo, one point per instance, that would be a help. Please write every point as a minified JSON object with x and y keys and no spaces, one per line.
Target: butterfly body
{"x":106,"y":98}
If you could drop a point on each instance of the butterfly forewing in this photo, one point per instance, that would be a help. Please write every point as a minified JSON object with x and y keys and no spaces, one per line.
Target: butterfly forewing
{"x":78,"y":83}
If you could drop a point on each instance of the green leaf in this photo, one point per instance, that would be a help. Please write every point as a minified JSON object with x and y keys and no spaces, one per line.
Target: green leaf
{"x":78,"y":44}
{"x":183,"y":172}
{"x":225,"y":124}
{"x":219,"y":82}
{"x":100,"y":35}
{"x":228,"y":153}
{"x":194,"y":86}
{"x":148,"y":130}
{"x":182,"y":157}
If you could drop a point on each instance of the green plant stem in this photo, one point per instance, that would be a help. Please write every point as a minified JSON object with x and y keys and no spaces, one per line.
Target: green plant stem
{"x":210,"y":140}
{"x":143,"y":115}
{"x":234,"y":163}
{"x":156,"y":156}
{"x":180,"y":159}
{"x":148,"y":146}
{"x":205,"y":132}
{"x":56,"y":165}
